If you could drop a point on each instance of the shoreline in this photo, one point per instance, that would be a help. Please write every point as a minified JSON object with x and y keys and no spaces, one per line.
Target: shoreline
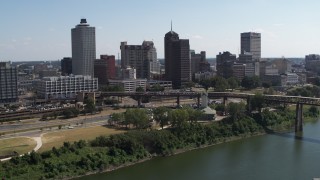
{"x":178,"y":151}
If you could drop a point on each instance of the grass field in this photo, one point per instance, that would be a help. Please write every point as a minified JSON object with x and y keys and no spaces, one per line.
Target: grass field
{"x":56,"y":139}
{"x":21,"y":145}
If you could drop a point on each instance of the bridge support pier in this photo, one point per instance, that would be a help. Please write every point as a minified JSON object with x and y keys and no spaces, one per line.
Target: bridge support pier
{"x":249,"y":109}
{"x":178,"y":100}
{"x":139,"y":101}
{"x":225,"y":101}
{"x":225,"y":105}
{"x":198,"y":101}
{"x":299,"y":118}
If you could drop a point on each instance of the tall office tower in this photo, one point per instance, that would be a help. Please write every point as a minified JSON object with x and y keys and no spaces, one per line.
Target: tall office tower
{"x":251,"y":43}
{"x":66,"y":66}
{"x":139,"y":57}
{"x":313,"y":63}
{"x":199,"y":62}
{"x":177,"y":59}
{"x":104,"y":68}
{"x":83,"y":49}
{"x":224,"y":63}
{"x":8,"y":83}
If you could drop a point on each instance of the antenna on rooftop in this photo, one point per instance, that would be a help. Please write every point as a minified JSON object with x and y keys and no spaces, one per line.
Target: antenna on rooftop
{"x":171,"y":24}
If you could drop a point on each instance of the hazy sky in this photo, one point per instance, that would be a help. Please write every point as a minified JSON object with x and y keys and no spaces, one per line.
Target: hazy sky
{"x":41,"y":30}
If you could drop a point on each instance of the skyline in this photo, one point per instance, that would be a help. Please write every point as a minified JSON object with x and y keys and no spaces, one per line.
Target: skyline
{"x":37,"y":30}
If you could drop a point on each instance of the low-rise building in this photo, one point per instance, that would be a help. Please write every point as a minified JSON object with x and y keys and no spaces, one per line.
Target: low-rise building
{"x":203,"y":75}
{"x":292,"y":78}
{"x":65,"y":87}
{"x":129,"y":85}
{"x":165,"y":84}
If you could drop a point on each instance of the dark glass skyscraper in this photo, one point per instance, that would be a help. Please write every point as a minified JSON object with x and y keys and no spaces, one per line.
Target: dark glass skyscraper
{"x":177,"y":59}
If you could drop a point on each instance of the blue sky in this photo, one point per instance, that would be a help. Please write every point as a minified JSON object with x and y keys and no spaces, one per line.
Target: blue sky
{"x":41,"y":30}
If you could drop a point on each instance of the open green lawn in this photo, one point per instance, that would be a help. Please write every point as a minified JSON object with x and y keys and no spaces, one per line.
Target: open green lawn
{"x":21,"y":145}
{"x":56,"y":139}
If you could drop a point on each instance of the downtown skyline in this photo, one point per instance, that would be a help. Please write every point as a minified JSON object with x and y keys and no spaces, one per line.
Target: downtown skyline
{"x":38,"y":30}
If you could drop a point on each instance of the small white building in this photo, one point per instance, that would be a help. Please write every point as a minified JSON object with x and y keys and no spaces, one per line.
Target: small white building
{"x":129,"y":85}
{"x":292,"y":78}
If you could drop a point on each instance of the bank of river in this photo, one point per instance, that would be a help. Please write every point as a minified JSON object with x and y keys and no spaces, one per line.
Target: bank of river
{"x":262,"y":157}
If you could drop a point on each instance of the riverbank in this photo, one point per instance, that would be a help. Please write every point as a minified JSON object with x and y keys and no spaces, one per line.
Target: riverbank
{"x":108,"y":153}
{"x":178,"y":151}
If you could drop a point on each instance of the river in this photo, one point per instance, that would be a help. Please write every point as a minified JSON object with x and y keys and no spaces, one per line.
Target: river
{"x":262,"y":157}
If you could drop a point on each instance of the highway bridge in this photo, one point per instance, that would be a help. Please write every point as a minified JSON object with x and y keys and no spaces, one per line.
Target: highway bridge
{"x":298,"y":100}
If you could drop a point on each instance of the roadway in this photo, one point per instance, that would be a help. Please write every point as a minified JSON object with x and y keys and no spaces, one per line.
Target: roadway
{"x":37,"y":124}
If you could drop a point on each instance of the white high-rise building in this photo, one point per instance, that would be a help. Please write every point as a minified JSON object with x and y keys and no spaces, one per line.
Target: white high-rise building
{"x":141,"y":57}
{"x":83,"y":49}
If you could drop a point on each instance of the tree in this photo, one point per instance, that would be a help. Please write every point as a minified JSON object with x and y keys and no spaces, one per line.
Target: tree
{"x":116,"y":118}
{"x":139,"y":89}
{"x":178,"y":117}
{"x":206,"y":83}
{"x":156,"y":88}
{"x":233,"y":82}
{"x":67,"y":113}
{"x":257,"y":102}
{"x":189,"y":84}
{"x":115,"y":88}
{"x":221,"y":84}
{"x":137,"y":117}
{"x":236,"y":110}
{"x":160,"y":114}
{"x":194,"y":114}
{"x":250,"y":82}
{"x":313,"y":110}
{"x":89,"y":107}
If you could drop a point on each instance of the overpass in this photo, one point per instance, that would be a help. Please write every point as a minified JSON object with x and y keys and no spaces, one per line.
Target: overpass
{"x":298,"y":100}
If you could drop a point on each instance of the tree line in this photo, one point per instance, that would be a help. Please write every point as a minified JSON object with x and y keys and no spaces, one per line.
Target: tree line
{"x":220,"y":84}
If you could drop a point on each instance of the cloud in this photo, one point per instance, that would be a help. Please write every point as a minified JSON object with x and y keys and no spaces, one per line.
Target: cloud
{"x":194,"y":36}
{"x":27,"y":38}
{"x":51,"y":29}
{"x":278,"y":24}
{"x":197,"y":37}
{"x":267,"y":33}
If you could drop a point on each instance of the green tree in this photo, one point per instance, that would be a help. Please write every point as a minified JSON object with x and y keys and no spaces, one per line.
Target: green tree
{"x":236,"y":110}
{"x":233,"y":83}
{"x":115,"y":88}
{"x":139,"y":89}
{"x":116,"y":118}
{"x":156,"y":88}
{"x":313,"y":111}
{"x":250,"y":82}
{"x":206,"y":83}
{"x":221,"y":84}
{"x":194,"y":114}
{"x":160,"y":114}
{"x":137,"y":117}
{"x":89,"y":107}
{"x":178,"y":117}
{"x":257,"y":102}
{"x":67,"y":113}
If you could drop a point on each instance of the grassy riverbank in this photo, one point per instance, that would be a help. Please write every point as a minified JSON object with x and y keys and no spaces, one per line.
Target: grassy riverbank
{"x":106,"y":153}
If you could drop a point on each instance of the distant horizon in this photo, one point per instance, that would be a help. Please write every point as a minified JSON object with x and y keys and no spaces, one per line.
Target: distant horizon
{"x":158,"y":59}
{"x":41,"y":30}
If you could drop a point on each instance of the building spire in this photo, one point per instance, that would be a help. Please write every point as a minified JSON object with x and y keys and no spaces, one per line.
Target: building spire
{"x":171,"y":24}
